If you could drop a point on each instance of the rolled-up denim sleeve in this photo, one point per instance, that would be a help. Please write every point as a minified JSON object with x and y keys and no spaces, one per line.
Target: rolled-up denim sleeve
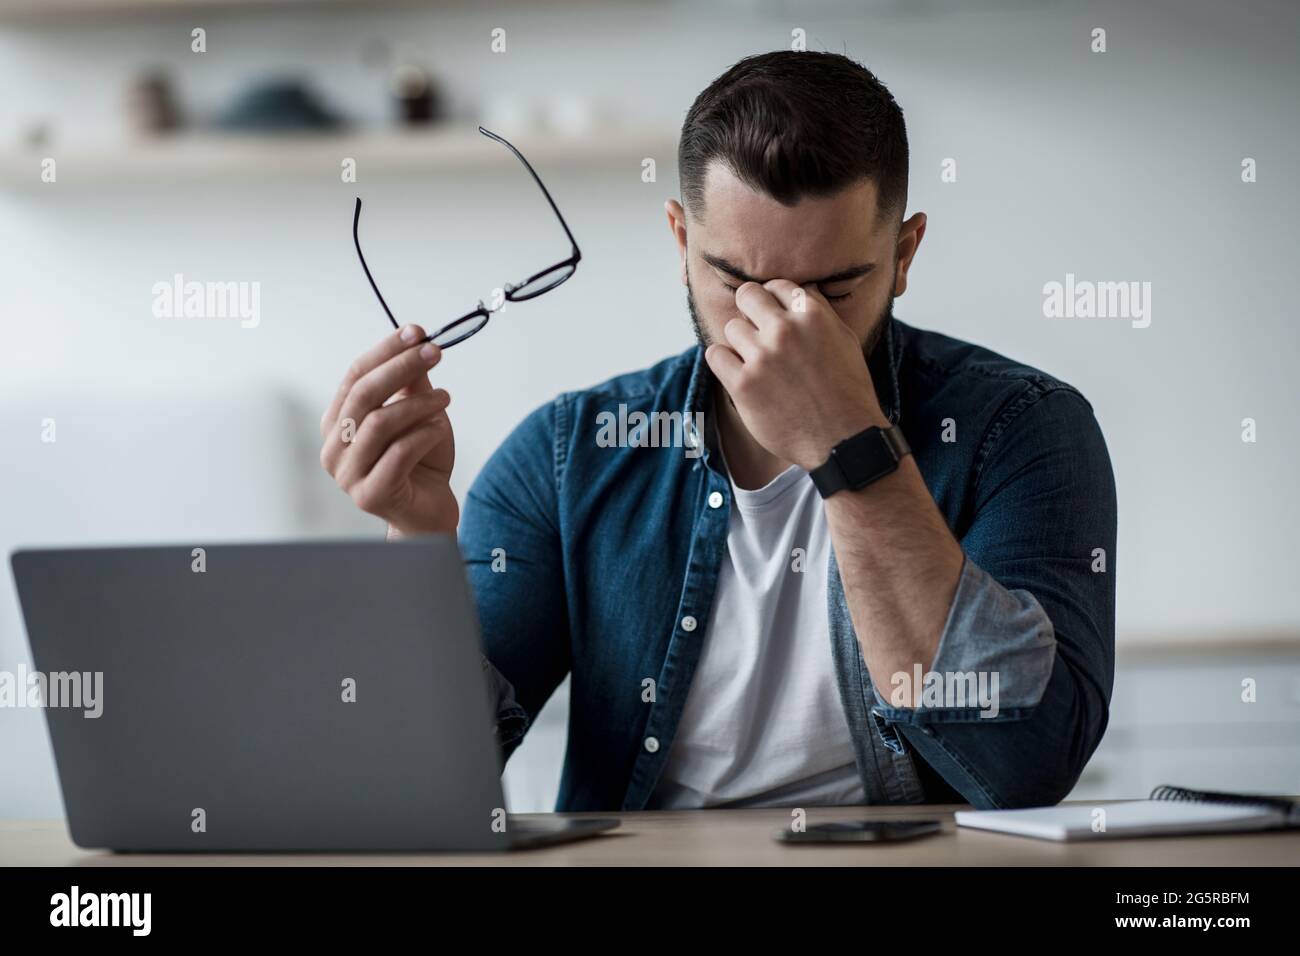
{"x":1035,"y":606}
{"x":994,"y":659}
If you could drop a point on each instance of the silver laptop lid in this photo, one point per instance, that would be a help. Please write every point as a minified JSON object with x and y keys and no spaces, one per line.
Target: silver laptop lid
{"x":322,"y":695}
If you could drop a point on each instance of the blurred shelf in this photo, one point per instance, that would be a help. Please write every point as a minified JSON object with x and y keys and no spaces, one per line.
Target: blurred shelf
{"x":54,"y":11}
{"x":199,"y":157}
{"x":57,"y":13}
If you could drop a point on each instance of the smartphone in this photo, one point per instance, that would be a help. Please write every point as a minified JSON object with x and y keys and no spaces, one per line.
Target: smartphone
{"x":861,"y":831}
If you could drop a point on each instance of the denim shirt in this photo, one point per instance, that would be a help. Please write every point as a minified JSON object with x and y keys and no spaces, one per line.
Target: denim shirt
{"x":601,"y":563}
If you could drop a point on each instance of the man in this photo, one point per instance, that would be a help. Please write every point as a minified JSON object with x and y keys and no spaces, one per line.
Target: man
{"x":900,"y":627}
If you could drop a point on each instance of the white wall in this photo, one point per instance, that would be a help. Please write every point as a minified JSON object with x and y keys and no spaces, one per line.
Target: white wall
{"x":1115,"y":166}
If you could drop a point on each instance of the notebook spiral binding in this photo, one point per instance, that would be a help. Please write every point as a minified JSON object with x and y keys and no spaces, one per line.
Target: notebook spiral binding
{"x":1166,"y":792}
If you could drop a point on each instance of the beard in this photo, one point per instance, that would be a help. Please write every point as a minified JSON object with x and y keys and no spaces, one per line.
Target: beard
{"x":868,"y":346}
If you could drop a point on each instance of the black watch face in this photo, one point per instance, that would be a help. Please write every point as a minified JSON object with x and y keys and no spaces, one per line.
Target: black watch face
{"x":865,"y":458}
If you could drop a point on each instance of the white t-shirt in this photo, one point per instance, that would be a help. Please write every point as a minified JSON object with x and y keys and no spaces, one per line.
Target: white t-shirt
{"x":763,"y":724}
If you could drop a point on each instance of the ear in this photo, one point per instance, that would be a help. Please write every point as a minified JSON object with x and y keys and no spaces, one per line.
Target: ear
{"x":677,"y":223}
{"x":910,"y":235}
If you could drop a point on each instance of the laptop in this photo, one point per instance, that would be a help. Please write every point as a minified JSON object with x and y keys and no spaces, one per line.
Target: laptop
{"x":271,"y":697}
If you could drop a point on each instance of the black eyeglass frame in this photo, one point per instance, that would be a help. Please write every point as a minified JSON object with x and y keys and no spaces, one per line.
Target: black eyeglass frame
{"x":562,"y":270}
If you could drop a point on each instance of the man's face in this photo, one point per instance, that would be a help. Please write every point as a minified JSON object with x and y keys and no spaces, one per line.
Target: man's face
{"x":841,"y":244}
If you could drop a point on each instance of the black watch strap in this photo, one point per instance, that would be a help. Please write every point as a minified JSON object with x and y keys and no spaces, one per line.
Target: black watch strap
{"x":858,"y":461}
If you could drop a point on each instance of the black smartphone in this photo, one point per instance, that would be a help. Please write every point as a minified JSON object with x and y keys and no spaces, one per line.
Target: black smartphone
{"x":861,"y":831}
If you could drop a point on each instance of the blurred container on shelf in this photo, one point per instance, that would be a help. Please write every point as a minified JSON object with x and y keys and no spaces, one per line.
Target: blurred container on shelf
{"x":576,"y":115}
{"x":419,"y":101}
{"x":568,"y":115}
{"x":278,"y":106}
{"x":416,"y":94}
{"x":511,"y":114}
{"x":151,"y":105}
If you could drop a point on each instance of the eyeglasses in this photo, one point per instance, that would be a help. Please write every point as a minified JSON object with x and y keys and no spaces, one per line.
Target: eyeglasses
{"x":458,"y":330}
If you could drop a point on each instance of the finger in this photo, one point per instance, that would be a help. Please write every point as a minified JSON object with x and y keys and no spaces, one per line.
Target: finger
{"x":400,"y":458}
{"x":367,"y":395}
{"x":384,"y":426}
{"x":742,"y":337}
{"x":381,"y":352}
{"x":787,"y":293}
{"x":381,"y":383}
{"x":725,"y":363}
{"x":813,"y":293}
{"x":758,"y":304}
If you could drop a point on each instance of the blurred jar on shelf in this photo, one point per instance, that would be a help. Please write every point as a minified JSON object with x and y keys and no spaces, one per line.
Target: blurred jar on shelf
{"x":151,"y":105}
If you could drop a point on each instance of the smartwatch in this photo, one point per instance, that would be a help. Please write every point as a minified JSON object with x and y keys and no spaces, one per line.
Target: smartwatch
{"x":858,"y":461}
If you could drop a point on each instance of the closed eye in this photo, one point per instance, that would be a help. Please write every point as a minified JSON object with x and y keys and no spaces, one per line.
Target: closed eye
{"x":829,"y":298}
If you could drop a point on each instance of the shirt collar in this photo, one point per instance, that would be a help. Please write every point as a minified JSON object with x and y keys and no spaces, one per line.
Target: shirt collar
{"x":884,"y":364}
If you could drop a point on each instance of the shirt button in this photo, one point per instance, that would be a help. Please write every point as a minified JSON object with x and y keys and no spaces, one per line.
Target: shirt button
{"x":652,"y":744}
{"x":688,"y":623}
{"x":715,"y":500}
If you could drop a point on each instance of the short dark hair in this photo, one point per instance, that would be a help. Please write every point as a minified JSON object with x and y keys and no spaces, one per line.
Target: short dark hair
{"x":796,"y":124}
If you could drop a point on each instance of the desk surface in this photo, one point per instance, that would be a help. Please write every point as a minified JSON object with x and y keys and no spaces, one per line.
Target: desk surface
{"x":722,"y":837}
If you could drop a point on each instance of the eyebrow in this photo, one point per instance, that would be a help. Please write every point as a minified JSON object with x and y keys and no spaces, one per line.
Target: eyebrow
{"x":722,"y":265}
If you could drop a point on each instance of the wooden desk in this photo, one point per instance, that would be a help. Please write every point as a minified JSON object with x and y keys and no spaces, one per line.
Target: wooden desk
{"x":722,"y":837}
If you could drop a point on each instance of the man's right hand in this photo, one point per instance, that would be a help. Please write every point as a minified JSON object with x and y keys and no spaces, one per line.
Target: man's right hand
{"x":387,"y":439}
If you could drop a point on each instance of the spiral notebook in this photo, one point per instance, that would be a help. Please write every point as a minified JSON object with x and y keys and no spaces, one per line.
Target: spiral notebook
{"x":1170,"y":811}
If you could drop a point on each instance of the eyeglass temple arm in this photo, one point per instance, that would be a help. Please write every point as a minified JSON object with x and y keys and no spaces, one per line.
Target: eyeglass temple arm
{"x":577,"y":253}
{"x":356,"y":240}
